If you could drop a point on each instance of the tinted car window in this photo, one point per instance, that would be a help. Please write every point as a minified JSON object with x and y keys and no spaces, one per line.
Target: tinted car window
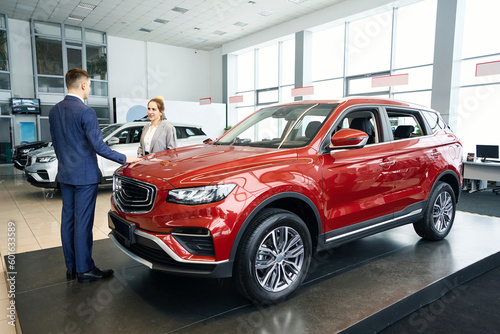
{"x":406,"y":124}
{"x":434,"y":121}
{"x":109,"y":130}
{"x":366,"y":120}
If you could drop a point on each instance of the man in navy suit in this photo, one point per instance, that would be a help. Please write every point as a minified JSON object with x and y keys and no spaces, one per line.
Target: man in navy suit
{"x":77,"y":139}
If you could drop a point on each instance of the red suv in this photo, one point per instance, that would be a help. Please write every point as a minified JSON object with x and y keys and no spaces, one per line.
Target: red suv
{"x":288,"y":181}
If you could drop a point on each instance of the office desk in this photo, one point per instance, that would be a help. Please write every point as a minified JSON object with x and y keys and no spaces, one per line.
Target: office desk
{"x":485,"y":171}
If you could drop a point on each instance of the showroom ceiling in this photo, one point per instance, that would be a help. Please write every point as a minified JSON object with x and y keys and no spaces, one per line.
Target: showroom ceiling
{"x":197,"y":24}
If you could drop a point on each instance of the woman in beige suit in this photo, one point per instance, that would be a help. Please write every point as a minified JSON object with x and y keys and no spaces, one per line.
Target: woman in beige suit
{"x":158,"y":135}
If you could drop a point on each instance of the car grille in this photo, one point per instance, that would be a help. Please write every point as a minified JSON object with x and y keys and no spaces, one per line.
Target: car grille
{"x":29,"y":161}
{"x":133,"y":196}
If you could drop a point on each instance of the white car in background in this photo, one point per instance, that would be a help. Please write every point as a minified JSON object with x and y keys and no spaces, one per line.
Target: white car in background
{"x":41,"y":167}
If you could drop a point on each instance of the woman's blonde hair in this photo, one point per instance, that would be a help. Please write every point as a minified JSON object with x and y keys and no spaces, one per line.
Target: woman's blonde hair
{"x":161,"y":105}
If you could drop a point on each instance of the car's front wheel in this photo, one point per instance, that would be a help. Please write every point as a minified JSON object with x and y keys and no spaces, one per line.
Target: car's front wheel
{"x":439,"y":214}
{"x":273,"y":257}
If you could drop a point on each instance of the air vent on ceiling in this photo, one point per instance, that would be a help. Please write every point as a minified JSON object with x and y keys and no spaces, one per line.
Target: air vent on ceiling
{"x":266,"y":13}
{"x":145,"y":30}
{"x":162,"y":21}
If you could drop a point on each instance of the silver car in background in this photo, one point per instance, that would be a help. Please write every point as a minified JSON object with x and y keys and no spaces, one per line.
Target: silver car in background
{"x":41,"y":167}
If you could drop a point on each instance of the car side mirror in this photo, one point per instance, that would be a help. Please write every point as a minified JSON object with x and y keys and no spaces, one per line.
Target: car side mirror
{"x":348,"y":139}
{"x":113,"y":141}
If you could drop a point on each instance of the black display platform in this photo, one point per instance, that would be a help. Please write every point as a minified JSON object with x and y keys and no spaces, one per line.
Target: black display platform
{"x":359,"y":287}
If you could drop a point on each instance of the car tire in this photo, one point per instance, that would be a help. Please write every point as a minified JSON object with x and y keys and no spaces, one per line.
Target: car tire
{"x":263,"y":271}
{"x":439,"y":214}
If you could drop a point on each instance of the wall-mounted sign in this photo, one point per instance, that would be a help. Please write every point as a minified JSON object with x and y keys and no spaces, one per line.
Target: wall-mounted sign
{"x":390,"y":80}
{"x":302,"y":91}
{"x":489,"y":68}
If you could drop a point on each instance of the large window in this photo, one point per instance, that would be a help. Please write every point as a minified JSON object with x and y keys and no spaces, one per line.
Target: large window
{"x":346,"y":57}
{"x":60,"y":47}
{"x":4,"y":56}
{"x":265,"y":76}
{"x":328,"y":62}
{"x":369,"y":44}
{"x":479,"y":95}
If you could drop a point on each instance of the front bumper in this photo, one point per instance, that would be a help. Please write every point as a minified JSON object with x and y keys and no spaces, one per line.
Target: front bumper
{"x":40,"y":178}
{"x":152,"y":252}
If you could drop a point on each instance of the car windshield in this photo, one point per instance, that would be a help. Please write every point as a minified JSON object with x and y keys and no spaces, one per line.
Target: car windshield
{"x":279,"y":127}
{"x":109,"y":130}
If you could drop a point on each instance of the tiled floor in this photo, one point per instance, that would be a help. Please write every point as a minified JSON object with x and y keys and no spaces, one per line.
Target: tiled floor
{"x":36,"y":214}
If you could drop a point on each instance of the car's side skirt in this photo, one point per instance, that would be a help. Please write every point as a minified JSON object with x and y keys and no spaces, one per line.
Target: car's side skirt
{"x":343,"y":235}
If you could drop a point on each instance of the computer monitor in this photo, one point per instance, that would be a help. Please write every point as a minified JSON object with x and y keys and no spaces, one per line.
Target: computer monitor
{"x":25,"y":105}
{"x":487,"y":151}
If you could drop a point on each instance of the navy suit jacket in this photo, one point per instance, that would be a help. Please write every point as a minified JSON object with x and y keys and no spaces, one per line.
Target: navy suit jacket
{"x":77,"y":138}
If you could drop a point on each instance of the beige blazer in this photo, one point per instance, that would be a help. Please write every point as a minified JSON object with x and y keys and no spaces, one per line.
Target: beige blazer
{"x":164,"y":138}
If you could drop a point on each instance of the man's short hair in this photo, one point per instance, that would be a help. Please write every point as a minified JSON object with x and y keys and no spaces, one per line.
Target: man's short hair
{"x":74,"y":76}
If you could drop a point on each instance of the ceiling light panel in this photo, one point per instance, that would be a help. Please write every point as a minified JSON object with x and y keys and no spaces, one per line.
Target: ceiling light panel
{"x":145,"y":30}
{"x":179,"y":10}
{"x":85,"y":5}
{"x":240,"y":24}
{"x":76,"y":17}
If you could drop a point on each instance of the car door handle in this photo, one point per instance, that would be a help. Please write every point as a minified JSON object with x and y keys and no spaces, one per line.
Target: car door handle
{"x":435,"y":154}
{"x":387,"y":163}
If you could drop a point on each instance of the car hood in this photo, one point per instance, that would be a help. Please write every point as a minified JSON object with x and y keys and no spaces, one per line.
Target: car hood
{"x":43,"y":152}
{"x":34,"y":144}
{"x":203,"y":164}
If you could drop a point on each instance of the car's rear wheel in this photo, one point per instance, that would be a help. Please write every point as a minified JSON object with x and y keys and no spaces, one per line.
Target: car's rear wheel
{"x":273,"y":257}
{"x":439,"y":214}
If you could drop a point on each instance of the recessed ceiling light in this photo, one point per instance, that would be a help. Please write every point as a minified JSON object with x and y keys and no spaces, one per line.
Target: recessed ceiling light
{"x":179,"y":10}
{"x":85,"y":5}
{"x":196,"y":28}
{"x":297,"y":1}
{"x":218,"y":32}
{"x":200,"y":40}
{"x":251,"y":2}
{"x":76,"y":17}
{"x":266,"y":13}
{"x":240,"y":24}
{"x":145,"y":30}
{"x":162,"y":21}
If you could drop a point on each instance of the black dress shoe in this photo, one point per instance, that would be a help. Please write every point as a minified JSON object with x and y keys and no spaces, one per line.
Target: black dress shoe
{"x":70,"y":274}
{"x":94,"y":274}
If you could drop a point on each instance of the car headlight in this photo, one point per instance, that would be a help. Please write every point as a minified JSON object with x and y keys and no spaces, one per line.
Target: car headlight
{"x":46,"y":159}
{"x":200,"y":195}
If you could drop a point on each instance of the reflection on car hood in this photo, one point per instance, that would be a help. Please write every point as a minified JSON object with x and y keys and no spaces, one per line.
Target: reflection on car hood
{"x":203,"y":164}
{"x":42,"y":152}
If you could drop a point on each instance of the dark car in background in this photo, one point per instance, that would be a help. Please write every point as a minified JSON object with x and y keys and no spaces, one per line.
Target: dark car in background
{"x":20,"y":152}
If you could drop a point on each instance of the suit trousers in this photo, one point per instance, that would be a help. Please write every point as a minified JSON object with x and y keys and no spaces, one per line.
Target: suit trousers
{"x":77,"y":222}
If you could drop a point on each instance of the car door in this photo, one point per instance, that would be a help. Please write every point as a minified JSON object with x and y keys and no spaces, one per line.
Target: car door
{"x":416,"y":156}
{"x":358,"y":183}
{"x":129,"y":139}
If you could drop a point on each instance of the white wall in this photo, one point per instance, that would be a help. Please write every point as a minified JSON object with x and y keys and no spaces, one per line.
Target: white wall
{"x":20,"y":58}
{"x":127,"y":61}
{"x":145,"y":70}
